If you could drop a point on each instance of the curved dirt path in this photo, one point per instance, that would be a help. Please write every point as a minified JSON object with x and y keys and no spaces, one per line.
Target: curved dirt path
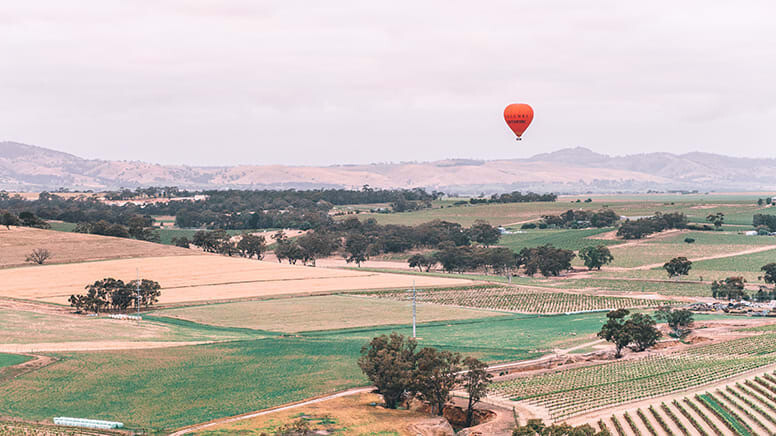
{"x":220,"y":421}
{"x":92,"y":346}
{"x":716,"y":256}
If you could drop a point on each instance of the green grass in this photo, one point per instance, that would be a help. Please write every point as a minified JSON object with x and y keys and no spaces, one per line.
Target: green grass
{"x":167,"y":388}
{"x":200,"y":383}
{"x":503,"y":338}
{"x":566,"y":239}
{"x":688,"y":289}
{"x":12,"y":359}
{"x":317,"y":313}
{"x":746,"y":262}
{"x":21,"y":327}
{"x":716,"y":238}
{"x":61,"y":226}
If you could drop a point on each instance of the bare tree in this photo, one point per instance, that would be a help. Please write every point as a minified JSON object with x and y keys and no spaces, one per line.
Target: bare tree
{"x":39,"y":256}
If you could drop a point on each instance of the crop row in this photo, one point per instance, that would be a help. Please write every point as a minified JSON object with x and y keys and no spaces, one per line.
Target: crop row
{"x":513,"y":299}
{"x":730,"y":410}
{"x":572,"y":391}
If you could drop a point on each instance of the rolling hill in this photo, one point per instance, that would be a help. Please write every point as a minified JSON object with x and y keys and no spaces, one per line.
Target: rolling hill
{"x":30,"y":168}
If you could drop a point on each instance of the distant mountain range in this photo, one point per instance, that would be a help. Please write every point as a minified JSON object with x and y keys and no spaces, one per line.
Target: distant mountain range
{"x":573,"y":170}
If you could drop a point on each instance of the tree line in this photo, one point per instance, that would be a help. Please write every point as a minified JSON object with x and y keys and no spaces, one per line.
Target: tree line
{"x":400,"y":372}
{"x":580,"y":219}
{"x":638,"y":331}
{"x":515,"y":197}
{"x":216,"y":209}
{"x":546,"y":259}
{"x":110,"y":294}
{"x":639,"y":228}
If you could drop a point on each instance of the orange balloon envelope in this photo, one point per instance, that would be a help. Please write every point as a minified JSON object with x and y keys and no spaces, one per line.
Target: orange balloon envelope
{"x":518,"y":117}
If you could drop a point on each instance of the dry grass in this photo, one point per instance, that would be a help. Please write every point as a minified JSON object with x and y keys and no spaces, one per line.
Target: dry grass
{"x":318,"y":313}
{"x":201,"y":278}
{"x":354,"y":414}
{"x":18,"y":242}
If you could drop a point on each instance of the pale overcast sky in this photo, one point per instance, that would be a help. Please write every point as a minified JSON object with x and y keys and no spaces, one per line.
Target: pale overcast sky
{"x":311,"y":82}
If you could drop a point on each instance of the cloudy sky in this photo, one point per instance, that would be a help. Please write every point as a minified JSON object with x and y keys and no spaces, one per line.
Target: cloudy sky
{"x":306,"y":82}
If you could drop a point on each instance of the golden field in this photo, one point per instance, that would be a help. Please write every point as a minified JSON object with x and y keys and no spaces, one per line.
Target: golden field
{"x":201,"y":278}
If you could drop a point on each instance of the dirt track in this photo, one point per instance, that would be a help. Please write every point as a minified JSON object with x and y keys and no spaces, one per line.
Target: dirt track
{"x":91,"y":346}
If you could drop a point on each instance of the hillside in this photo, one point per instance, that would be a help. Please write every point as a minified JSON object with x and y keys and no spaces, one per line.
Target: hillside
{"x":30,"y":168}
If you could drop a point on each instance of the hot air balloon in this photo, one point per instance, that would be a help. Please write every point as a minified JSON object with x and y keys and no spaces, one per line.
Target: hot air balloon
{"x":518,"y":117}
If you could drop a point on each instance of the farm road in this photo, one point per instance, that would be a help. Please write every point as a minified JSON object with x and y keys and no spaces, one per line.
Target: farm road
{"x":354,"y":391}
{"x":92,"y":346}
{"x":716,"y":256}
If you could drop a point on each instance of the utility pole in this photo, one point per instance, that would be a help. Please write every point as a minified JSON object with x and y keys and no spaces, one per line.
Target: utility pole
{"x":137,"y":292}
{"x":414,"y":310}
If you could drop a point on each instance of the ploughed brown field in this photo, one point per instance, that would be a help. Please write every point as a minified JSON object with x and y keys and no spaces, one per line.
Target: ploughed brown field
{"x":201,"y":278}
{"x":17,"y":242}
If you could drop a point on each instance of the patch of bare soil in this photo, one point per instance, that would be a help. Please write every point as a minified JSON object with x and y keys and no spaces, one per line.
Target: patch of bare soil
{"x":36,"y":363}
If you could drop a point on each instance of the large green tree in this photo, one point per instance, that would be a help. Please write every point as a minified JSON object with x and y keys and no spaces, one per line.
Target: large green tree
{"x":389,"y":363}
{"x":596,"y":257}
{"x":614,"y":330}
{"x":717,"y":219}
{"x":642,"y":330}
{"x":548,"y":260}
{"x":679,"y":320}
{"x":483,"y":233}
{"x":252,"y":245}
{"x":678,"y":266}
{"x":475,"y":381}
{"x":769,"y":275}
{"x":436,"y":374}
{"x":356,"y":248}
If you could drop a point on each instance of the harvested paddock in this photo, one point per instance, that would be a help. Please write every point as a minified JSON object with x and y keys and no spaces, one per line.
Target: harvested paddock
{"x":201,"y":278}
{"x":359,"y":414}
{"x":317,"y":313}
{"x":17,"y":242}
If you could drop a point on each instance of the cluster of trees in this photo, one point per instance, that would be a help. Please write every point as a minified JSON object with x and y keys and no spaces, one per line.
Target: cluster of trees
{"x":219,"y":241}
{"x":116,"y":295}
{"x":639,"y":228}
{"x":764,"y":221}
{"x":733,"y":288}
{"x":137,"y":227}
{"x":400,"y":371}
{"x":545,"y":259}
{"x":25,"y":219}
{"x":638,"y":331}
{"x":765,"y":201}
{"x":315,"y":245}
{"x":581,"y":219}
{"x":360,"y":240}
{"x":515,"y":197}
{"x":679,"y":320}
{"x":216,"y":209}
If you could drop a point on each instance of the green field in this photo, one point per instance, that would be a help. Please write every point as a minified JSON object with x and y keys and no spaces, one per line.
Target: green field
{"x":747,"y":262}
{"x":199,"y":383}
{"x":566,"y":239}
{"x":12,"y":359}
{"x":22,"y":327}
{"x":317,"y":313}
{"x":493,"y":339}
